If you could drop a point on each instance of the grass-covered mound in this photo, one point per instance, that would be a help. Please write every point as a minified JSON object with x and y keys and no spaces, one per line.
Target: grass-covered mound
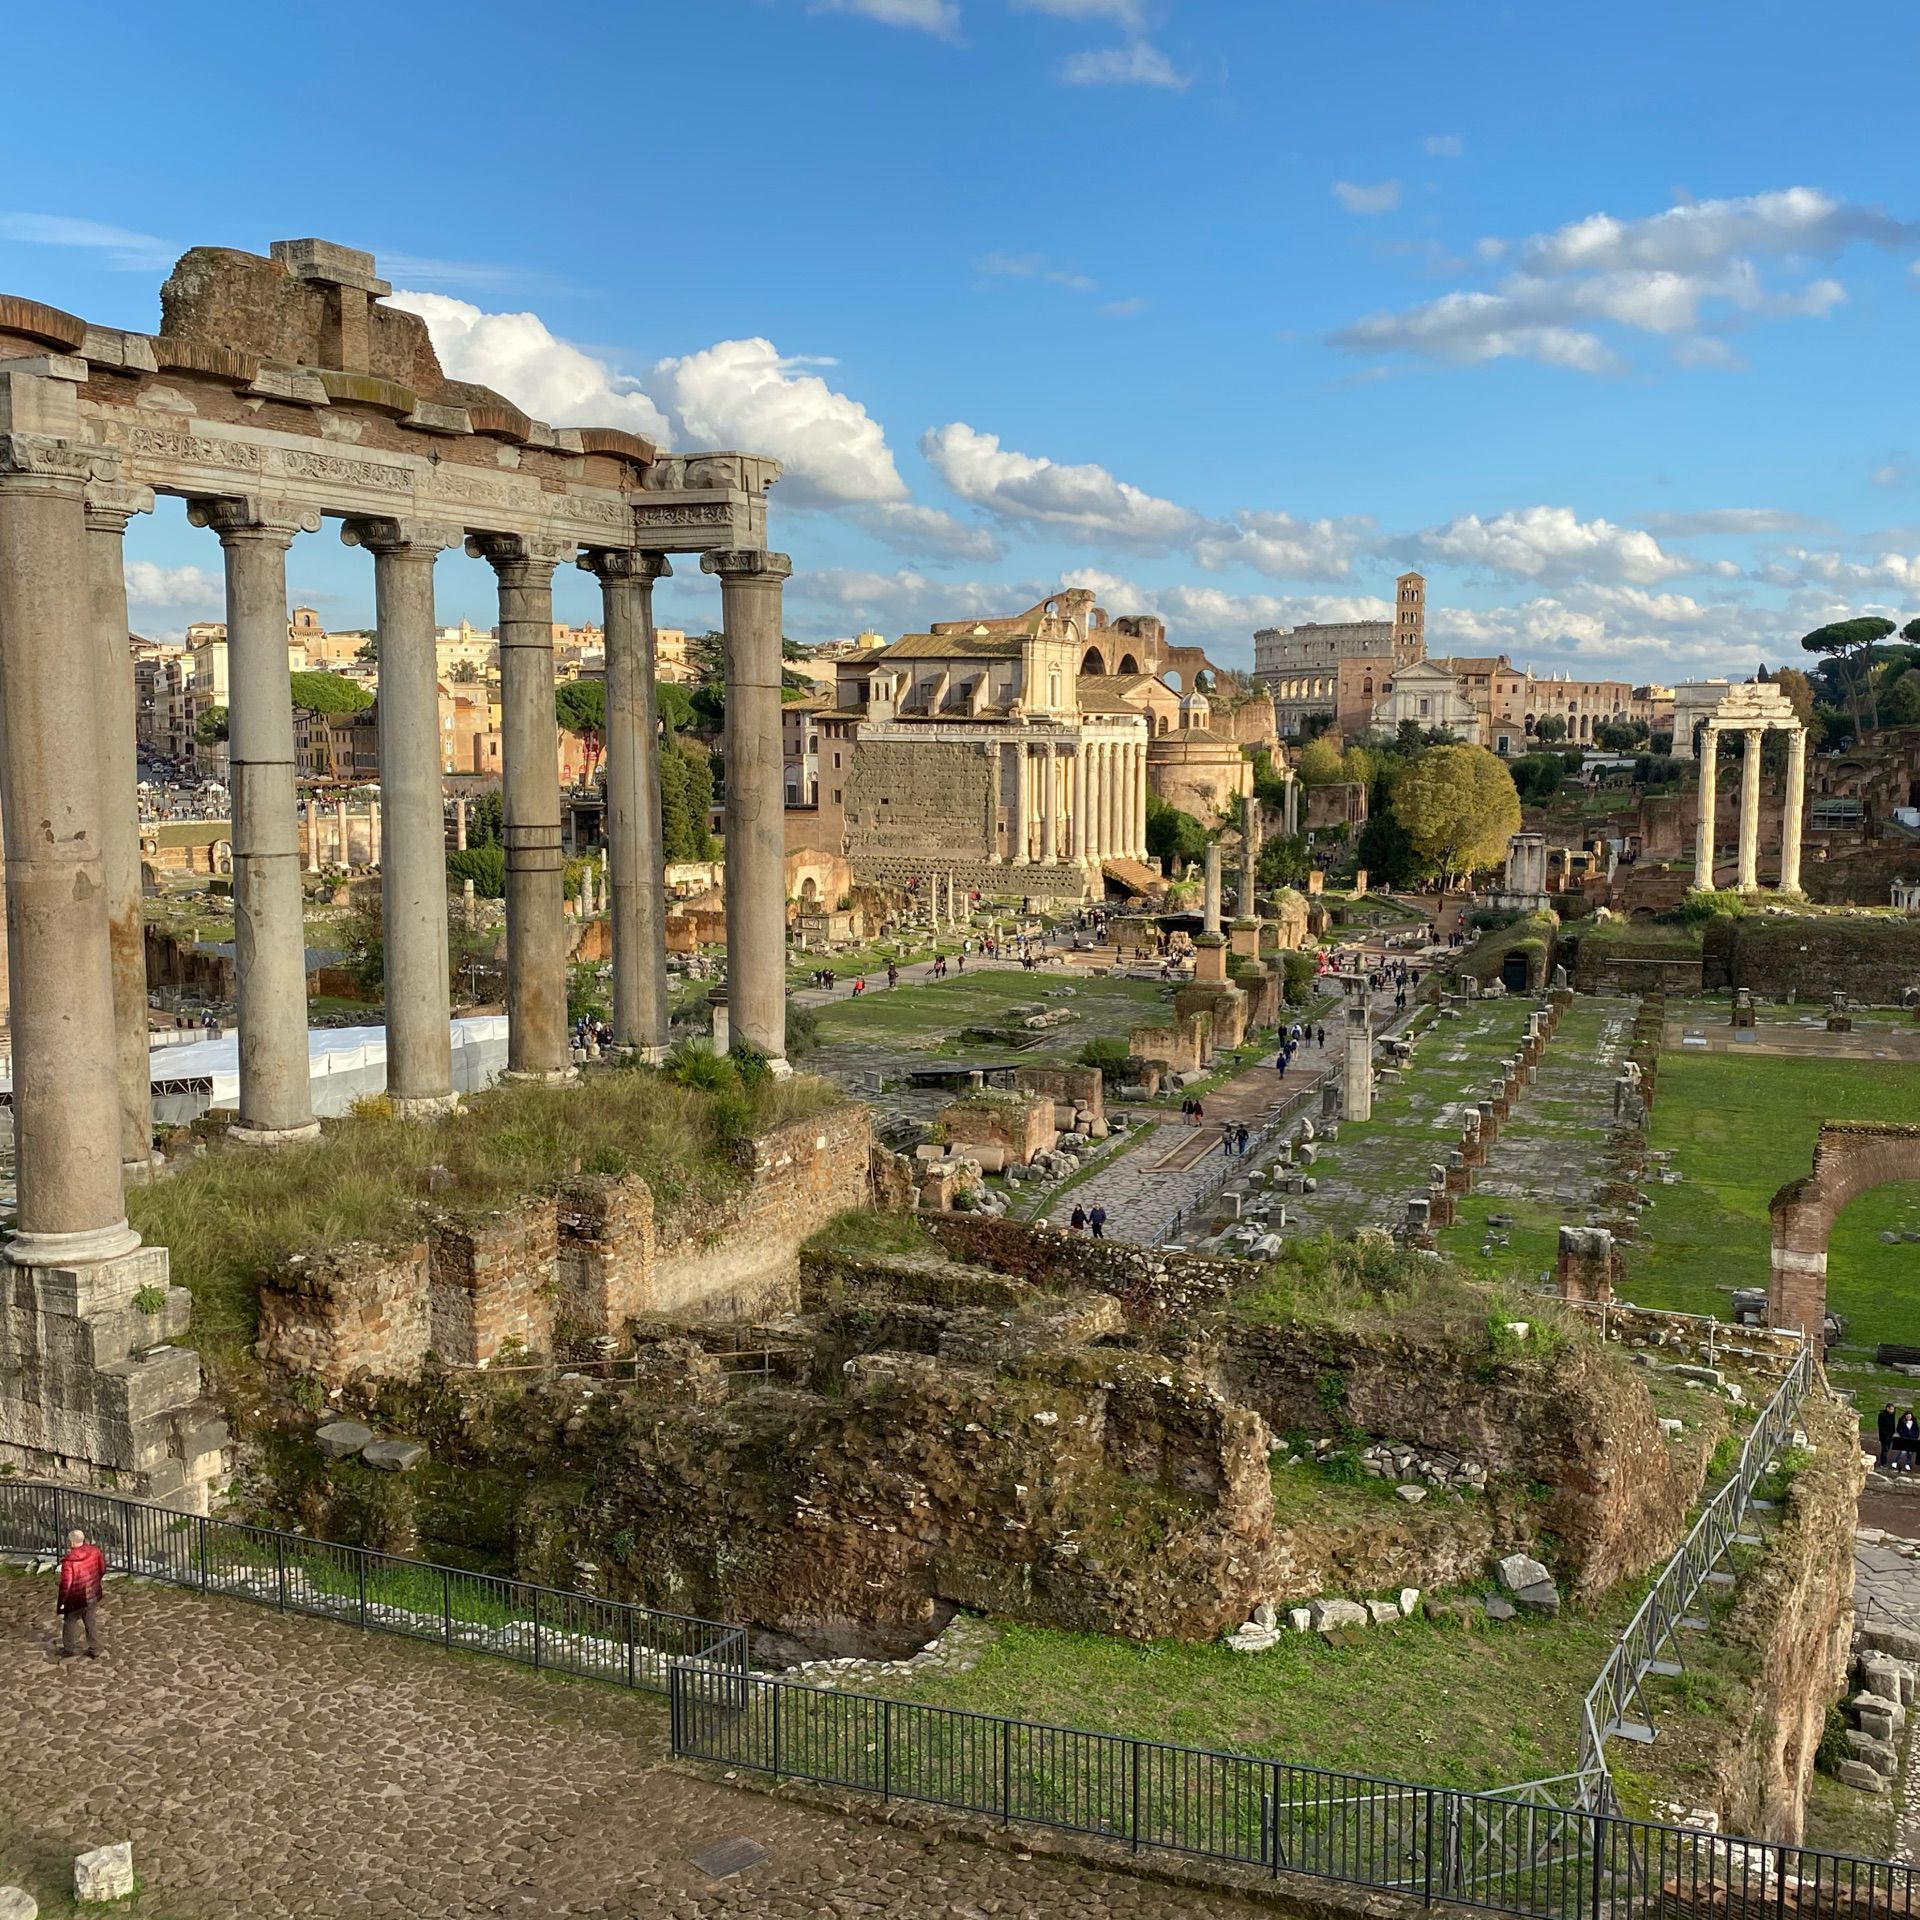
{"x":228,"y":1217}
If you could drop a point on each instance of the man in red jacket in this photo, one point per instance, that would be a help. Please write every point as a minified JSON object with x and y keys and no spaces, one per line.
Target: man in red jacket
{"x":81,"y":1573}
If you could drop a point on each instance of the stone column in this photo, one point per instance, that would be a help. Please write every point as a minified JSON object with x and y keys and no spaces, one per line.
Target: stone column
{"x":66,"y":1089}
{"x":537,"y":1047}
{"x":1049,"y":803}
{"x":1211,"y":908}
{"x":109,"y":508}
{"x":1110,"y":846}
{"x":373,"y":812}
{"x":1750,"y":810}
{"x":1096,"y":768}
{"x":1357,"y":1089}
{"x":636,"y":865}
{"x":1293,"y":808}
{"x":1017,"y":832}
{"x":756,"y":877}
{"x":313,"y":835}
{"x":460,"y":824}
{"x":344,"y":846}
{"x":1703,"y":840}
{"x":1790,"y":818}
{"x":1079,"y":819}
{"x":1140,"y":799}
{"x":1249,"y":852}
{"x":276,"y":1095}
{"x":413,"y":874}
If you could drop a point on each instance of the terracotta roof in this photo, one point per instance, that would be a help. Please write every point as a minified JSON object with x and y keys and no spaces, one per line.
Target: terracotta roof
{"x":953,"y":646}
{"x":1107,"y":692}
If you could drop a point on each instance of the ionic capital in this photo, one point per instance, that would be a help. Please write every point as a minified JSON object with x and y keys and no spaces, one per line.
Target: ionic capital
{"x":526,"y":555}
{"x":253,"y":521}
{"x":112,"y":503}
{"x":736,"y":563}
{"x":612,"y":564}
{"x":380,"y":535}
{"x":45,"y":457}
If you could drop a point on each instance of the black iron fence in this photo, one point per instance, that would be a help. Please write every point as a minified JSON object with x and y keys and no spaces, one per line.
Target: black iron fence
{"x":543,"y":1627}
{"x":1507,"y":1853}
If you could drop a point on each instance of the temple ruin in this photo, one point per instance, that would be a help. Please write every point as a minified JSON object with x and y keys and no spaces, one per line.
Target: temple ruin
{"x":280,"y":391}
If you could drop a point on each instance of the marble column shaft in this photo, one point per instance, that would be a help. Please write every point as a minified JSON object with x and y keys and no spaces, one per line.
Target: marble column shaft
{"x":1049,"y":803}
{"x":66,"y":1092}
{"x":537,"y":1045}
{"x":756,"y":866}
{"x":1140,"y":800}
{"x":1249,"y":853}
{"x":1210,"y":909}
{"x":413,"y":862}
{"x":1017,"y":832}
{"x":108,"y":510}
{"x":1110,"y":847}
{"x":636,"y":866}
{"x":1791,"y":816}
{"x":1079,"y":818}
{"x":1750,"y":810}
{"x":276,"y":1095}
{"x":1704,"y":833}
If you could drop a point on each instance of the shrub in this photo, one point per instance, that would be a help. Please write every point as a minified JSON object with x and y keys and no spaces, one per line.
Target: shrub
{"x":803,"y":1031}
{"x":1708,"y":903}
{"x":1110,"y":1056}
{"x":1301,"y":974}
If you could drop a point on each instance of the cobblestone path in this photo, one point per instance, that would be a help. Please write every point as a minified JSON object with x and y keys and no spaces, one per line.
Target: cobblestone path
{"x":1886,"y":1587}
{"x":267,"y":1767}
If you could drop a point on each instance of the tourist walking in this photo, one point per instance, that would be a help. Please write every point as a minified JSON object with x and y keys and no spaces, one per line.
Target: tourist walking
{"x":1906,"y":1442}
{"x":1243,"y":1137}
{"x":1097,"y":1220}
{"x":1888,"y":1423}
{"x":83,"y":1569}
{"x":1077,"y":1220}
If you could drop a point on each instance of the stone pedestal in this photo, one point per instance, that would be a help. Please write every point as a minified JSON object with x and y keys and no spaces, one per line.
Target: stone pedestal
{"x":1357,"y":1080}
{"x":1584,"y":1270}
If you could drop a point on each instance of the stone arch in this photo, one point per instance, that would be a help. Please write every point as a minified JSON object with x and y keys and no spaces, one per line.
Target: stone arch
{"x":1848,"y":1158}
{"x":809,"y":895}
{"x":1093,"y":661}
{"x":1128,"y":664}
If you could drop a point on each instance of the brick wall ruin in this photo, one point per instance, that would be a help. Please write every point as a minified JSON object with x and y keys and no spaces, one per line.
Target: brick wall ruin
{"x":553,"y":1273}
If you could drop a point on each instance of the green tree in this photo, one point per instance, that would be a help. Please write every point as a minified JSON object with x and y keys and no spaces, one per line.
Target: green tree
{"x":1459,"y":807}
{"x":487,"y":820}
{"x":1537,"y":777}
{"x":676,"y":706}
{"x":1847,"y":648}
{"x":485,"y":866}
{"x":1173,"y":837}
{"x":580,"y":706}
{"x":1318,"y":763}
{"x":370,"y":648}
{"x":1901,"y":706}
{"x":1386,"y":850}
{"x":1410,"y":739}
{"x":329,"y":693}
{"x":1550,"y":727}
{"x":211,"y":726}
{"x":1283,"y":861}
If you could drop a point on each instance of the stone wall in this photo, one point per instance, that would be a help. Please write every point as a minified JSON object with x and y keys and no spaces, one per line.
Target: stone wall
{"x":604,"y":1262}
{"x":1619,"y":1490}
{"x":1068,"y":1087}
{"x":325,"y":1315}
{"x":1869,"y":960}
{"x":929,"y":807}
{"x":491,"y":1283}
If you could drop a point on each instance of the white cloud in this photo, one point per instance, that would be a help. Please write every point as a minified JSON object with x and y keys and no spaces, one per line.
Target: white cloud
{"x":131,"y":252}
{"x":1120,"y":308}
{"x":1445,"y":146}
{"x":744,"y":393}
{"x":1356,"y":198}
{"x":1603,"y":630}
{"x":1894,"y":573}
{"x":1894,"y":470}
{"x":1027,"y":490}
{"x":1035,"y":266}
{"x":1730,"y":520}
{"x":1657,"y":275}
{"x":829,"y":600}
{"x":151,"y":585}
{"x":927,"y":530}
{"x":1283,"y":547}
{"x":1129,"y":15}
{"x":1551,"y":543}
{"x":516,"y":355}
{"x":940,"y":17}
{"x":1137,"y":64}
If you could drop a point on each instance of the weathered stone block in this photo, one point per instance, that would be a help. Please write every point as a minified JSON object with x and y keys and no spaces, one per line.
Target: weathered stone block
{"x":104,"y":1874}
{"x":341,"y":1439}
{"x":393,"y":1456}
{"x":16,"y":1903}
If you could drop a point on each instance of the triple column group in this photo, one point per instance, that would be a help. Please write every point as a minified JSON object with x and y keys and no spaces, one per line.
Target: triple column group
{"x":1706,"y":831}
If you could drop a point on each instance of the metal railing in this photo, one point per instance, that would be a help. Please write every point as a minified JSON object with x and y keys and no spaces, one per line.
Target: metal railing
{"x":543,"y":1627}
{"x":1511,"y":1852}
{"x":1615,"y":1706}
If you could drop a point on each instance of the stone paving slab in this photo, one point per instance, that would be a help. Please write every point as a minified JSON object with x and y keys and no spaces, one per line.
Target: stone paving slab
{"x":273,"y":1768}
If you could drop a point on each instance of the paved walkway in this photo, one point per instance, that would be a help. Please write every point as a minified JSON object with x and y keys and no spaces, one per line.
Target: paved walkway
{"x":1886,"y":1587}
{"x":267,"y":1767}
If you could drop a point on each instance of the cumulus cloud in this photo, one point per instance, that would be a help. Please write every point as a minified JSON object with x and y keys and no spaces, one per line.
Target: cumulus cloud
{"x":1445,"y":146}
{"x":941,"y":17}
{"x":1888,"y":573}
{"x":927,"y":530}
{"x":745,"y":393}
{"x":150,"y":585}
{"x":1138,"y":64}
{"x":1731,"y":520}
{"x":1603,"y":630}
{"x":1665,"y":274}
{"x":824,"y":601}
{"x":1381,"y":198}
{"x":516,"y":354}
{"x":1283,"y":547}
{"x":1031,"y":491}
{"x":1552,"y":543}
{"x":1035,"y":266}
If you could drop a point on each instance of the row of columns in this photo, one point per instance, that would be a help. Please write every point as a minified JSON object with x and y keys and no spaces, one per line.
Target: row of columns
{"x":81,"y":1107}
{"x":1791,"y":817}
{"x":1082,"y":800}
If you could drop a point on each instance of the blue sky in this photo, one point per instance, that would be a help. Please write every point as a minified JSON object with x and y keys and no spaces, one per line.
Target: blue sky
{"x":1604,"y":317}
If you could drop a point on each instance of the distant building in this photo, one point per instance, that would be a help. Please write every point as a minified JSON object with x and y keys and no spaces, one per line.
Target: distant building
{"x":1301,"y":666}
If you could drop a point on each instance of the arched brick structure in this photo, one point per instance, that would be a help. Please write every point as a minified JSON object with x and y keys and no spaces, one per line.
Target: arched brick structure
{"x":1848,"y":1159}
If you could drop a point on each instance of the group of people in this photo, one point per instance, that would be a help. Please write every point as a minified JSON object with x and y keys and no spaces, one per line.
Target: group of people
{"x":1095,"y":1223}
{"x":1899,"y":1440}
{"x":1234,"y":1138}
{"x":1194,"y":1111}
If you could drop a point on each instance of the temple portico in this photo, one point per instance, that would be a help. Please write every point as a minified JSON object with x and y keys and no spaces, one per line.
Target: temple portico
{"x":1752,"y":710}
{"x":279,"y":393}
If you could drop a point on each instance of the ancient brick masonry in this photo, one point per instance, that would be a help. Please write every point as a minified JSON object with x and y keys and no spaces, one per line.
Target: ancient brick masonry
{"x":1847,"y":1161}
{"x":554,"y":1272}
